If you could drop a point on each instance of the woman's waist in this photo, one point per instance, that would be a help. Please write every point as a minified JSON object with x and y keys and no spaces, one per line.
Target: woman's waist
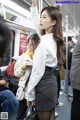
{"x":46,"y":85}
{"x":47,"y":81}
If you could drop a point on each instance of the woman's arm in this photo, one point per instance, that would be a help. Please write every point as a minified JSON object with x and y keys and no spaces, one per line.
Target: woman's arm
{"x":35,"y":16}
{"x":38,"y":70}
{"x":3,"y":82}
{"x":17,"y":68}
{"x":23,"y":63}
{"x":34,"y":3}
{"x":23,"y":80}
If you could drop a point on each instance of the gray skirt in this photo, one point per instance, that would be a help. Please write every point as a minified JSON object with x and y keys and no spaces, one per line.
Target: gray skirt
{"x":46,"y":91}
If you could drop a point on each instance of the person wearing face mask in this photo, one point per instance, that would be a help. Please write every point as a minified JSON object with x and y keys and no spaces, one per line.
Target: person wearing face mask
{"x":42,"y":86}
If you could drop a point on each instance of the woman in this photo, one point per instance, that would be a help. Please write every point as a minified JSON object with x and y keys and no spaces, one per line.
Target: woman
{"x":42,"y":86}
{"x":22,"y":69}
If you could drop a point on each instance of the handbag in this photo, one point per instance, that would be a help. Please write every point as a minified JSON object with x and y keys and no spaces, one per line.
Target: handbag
{"x":31,"y":113}
{"x":20,"y":93}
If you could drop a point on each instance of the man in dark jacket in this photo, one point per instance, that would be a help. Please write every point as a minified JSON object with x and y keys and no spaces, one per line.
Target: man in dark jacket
{"x":75,"y":82}
{"x":67,"y":76}
{"x":7,"y":98}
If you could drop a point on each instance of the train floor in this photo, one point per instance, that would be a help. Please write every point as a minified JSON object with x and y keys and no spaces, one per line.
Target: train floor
{"x":64,"y":111}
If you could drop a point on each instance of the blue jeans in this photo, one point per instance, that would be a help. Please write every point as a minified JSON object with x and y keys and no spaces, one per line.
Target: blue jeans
{"x":67,"y":79}
{"x":8,"y":101}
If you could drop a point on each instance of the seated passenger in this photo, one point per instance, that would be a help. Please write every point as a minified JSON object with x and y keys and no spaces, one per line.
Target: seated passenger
{"x":10,"y":69}
{"x":7,"y":98}
{"x":9,"y":72}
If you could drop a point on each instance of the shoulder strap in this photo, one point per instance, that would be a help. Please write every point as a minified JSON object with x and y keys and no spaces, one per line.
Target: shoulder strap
{"x":27,"y":80}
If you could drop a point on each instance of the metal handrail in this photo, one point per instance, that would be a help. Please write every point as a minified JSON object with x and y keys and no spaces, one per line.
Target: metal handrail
{"x":47,"y":2}
{"x":70,"y":26}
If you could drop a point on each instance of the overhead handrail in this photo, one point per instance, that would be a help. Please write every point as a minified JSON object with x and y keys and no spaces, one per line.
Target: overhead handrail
{"x":47,"y":2}
{"x":27,"y":3}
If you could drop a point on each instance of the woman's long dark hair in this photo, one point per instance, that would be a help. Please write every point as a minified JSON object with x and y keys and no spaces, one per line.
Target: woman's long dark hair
{"x":35,"y":38}
{"x":56,"y":14}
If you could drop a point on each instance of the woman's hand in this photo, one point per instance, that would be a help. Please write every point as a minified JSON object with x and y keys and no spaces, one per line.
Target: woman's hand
{"x":34,"y":3}
{"x":31,"y":103}
{"x":3,"y":82}
{"x":24,"y":67}
{"x":72,"y":49}
{"x":7,"y":85}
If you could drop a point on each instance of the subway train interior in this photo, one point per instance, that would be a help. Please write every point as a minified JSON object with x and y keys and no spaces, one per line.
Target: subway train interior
{"x":18,"y":18}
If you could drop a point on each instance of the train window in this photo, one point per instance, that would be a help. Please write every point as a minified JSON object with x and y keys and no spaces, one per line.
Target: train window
{"x":10,"y":16}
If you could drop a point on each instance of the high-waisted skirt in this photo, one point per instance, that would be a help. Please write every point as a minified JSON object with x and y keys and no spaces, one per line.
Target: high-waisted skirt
{"x":46,"y":91}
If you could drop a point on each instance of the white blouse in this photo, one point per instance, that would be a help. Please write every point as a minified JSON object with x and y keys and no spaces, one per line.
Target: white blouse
{"x":45,"y":55}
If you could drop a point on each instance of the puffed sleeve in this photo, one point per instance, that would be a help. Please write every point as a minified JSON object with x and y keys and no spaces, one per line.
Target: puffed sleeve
{"x":38,"y":70}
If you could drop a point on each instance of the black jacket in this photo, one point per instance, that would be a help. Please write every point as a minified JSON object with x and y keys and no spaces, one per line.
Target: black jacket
{"x":69,"y":58}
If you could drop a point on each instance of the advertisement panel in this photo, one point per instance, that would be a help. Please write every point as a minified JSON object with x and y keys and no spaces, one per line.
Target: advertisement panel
{"x":23,"y":43}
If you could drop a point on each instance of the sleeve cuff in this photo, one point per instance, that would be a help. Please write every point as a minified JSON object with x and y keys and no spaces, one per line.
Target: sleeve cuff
{"x":31,"y":97}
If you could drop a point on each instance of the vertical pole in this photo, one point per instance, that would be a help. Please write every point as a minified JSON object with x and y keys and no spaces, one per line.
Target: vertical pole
{"x":11,"y":45}
{"x":40,"y":5}
{"x":74,"y":33}
{"x":66,"y":42}
{"x":17,"y":43}
{"x":66,"y":28}
{"x":3,"y":10}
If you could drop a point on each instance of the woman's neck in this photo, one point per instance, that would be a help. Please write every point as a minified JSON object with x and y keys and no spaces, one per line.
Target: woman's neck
{"x":49,"y":30}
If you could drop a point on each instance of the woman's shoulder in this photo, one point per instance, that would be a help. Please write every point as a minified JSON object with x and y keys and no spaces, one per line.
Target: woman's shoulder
{"x":49,"y":36}
{"x":48,"y":41}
